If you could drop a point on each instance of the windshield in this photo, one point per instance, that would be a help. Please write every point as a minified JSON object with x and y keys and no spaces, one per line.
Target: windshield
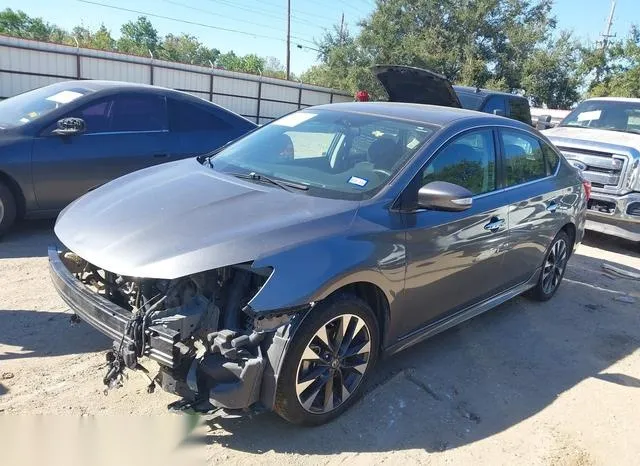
{"x":606,"y":114}
{"x":29,"y":106}
{"x":330,"y":153}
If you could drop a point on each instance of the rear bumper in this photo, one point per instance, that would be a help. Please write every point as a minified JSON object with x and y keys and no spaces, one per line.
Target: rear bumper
{"x":617,"y":221}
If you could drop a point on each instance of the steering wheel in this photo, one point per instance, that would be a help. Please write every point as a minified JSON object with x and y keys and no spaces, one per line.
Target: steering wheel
{"x":382,"y":172}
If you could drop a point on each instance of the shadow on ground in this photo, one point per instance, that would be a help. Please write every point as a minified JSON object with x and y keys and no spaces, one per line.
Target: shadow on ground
{"x":475,"y":380}
{"x":27,"y":239}
{"x":611,"y":244}
{"x":42,"y":334}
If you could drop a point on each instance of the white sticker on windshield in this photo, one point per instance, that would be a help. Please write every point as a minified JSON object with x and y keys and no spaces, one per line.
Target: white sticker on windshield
{"x":588,"y":116}
{"x":294,"y":119}
{"x":358,"y":181}
{"x":64,"y":97}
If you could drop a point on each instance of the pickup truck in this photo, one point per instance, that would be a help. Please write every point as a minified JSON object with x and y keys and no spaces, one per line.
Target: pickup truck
{"x":601,"y":137}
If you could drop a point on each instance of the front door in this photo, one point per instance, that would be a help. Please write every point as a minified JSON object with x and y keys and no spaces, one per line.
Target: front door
{"x":454,"y":258}
{"x":123,"y":134}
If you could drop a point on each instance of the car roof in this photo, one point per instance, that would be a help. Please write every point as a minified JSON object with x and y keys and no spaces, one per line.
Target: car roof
{"x":101,"y":85}
{"x":428,"y":114}
{"x":484,"y":92}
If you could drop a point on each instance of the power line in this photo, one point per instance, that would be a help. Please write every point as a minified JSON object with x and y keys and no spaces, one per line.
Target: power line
{"x":294,"y":11}
{"x":184,"y":21}
{"x":272,"y":14}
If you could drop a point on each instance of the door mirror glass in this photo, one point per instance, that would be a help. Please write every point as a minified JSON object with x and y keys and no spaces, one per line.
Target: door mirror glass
{"x":441,"y":195}
{"x":69,"y":126}
{"x":544,"y":122}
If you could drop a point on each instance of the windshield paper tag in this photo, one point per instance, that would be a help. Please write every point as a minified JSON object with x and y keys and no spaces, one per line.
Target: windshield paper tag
{"x":588,"y":116}
{"x":64,"y":97}
{"x":358,"y":181}
{"x":294,"y":119}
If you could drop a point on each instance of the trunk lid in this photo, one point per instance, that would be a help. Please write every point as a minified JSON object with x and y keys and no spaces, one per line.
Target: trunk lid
{"x":416,"y":85}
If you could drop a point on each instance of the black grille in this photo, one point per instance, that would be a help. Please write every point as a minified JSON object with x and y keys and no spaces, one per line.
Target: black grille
{"x":634,"y":209}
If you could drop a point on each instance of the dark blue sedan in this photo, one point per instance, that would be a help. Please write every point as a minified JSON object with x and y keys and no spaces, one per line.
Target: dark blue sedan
{"x":60,"y":141}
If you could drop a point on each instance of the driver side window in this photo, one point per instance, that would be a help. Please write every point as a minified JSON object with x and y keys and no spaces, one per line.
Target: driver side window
{"x":468,"y":161}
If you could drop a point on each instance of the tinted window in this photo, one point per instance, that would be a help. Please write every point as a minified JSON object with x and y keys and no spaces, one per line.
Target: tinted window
{"x":96,"y":116}
{"x":469,"y":101}
{"x":523,"y":157}
{"x":139,"y":112}
{"x":468,"y":161}
{"x":519,"y":110}
{"x":497,"y":102}
{"x":551,"y":158}
{"x":187,"y":117}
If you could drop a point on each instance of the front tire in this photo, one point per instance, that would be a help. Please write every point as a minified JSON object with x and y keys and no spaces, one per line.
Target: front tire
{"x":7,"y":209}
{"x":328,"y":361}
{"x":553,"y":268}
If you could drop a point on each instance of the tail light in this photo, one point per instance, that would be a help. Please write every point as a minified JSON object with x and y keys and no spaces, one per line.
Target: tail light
{"x":587,"y":188}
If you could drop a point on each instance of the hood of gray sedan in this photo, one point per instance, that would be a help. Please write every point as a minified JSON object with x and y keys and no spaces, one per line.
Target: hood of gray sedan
{"x":180,"y":218}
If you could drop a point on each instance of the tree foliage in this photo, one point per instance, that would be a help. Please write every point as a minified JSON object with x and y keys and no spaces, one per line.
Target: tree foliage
{"x":141,"y":38}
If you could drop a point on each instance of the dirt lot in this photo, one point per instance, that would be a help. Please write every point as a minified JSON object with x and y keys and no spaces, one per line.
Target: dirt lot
{"x":553,"y":383}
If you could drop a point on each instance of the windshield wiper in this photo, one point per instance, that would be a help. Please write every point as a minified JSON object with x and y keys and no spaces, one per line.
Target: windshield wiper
{"x":632,"y":131}
{"x":265,"y":179}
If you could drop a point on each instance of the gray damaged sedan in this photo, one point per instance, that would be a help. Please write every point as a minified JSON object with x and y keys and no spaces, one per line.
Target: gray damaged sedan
{"x":274,"y":273}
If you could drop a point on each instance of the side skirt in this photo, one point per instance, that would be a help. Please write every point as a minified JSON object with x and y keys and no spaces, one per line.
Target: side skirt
{"x":465,"y":314}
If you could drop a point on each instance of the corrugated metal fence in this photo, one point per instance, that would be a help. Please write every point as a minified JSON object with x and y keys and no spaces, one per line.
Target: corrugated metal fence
{"x":26,"y":64}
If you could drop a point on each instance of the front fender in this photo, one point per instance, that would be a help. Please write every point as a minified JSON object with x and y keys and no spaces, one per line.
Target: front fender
{"x":311,"y":272}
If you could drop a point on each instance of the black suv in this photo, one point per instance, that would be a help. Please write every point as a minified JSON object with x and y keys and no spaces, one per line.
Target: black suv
{"x":416,"y":85}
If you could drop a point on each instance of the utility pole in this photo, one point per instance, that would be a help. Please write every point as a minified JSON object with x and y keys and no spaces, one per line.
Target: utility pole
{"x":342,"y":28}
{"x":605,"y":39}
{"x":288,"y":39}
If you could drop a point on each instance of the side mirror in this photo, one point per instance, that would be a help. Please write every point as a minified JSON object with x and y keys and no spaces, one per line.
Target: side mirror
{"x":498,"y":112}
{"x":544,"y":122}
{"x":440,"y":195}
{"x":69,"y":127}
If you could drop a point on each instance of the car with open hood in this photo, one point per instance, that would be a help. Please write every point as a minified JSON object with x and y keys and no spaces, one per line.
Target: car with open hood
{"x":275,"y":272}
{"x":417,"y":85}
{"x":59,"y":141}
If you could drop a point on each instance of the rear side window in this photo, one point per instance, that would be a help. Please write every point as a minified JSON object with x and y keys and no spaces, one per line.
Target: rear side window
{"x":139,"y":112}
{"x":551,"y":158}
{"x":523,"y":157}
{"x":519,"y":110}
{"x":186,"y":117}
{"x":497,"y":102}
{"x":468,"y":161}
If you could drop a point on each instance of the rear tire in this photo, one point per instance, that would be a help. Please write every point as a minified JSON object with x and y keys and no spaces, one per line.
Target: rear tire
{"x":7,"y":209}
{"x":553,"y":268}
{"x":328,"y":361}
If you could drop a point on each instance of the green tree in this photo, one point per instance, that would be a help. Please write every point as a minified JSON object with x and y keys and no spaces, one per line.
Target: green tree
{"x":551,"y":75}
{"x":616,"y":71}
{"x":186,"y":48}
{"x":19,"y":24}
{"x":139,"y":37}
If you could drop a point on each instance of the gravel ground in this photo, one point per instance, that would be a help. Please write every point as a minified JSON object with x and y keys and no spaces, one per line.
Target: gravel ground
{"x":552,"y":383}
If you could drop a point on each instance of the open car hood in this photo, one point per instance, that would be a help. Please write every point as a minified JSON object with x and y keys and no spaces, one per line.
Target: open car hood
{"x":415,"y":85}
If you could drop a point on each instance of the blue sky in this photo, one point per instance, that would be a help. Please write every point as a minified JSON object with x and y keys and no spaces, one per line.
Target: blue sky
{"x":266,"y":19}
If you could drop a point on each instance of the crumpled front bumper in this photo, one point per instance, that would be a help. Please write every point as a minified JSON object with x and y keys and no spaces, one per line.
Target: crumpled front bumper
{"x":236,"y":375}
{"x":105,"y":316}
{"x":619,"y":220}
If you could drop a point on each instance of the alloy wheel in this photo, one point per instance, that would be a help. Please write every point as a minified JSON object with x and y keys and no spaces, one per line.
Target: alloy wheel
{"x":1,"y":210}
{"x":333,"y":364}
{"x":554,"y":266}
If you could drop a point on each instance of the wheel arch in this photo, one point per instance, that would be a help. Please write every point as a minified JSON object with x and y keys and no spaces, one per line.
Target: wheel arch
{"x":570,"y":229}
{"x":15,"y":189}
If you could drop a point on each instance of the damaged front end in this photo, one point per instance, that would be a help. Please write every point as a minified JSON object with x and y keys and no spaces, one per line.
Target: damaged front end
{"x":212,"y":350}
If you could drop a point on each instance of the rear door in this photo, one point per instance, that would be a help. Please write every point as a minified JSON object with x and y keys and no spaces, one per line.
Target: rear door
{"x":455,"y":258}
{"x":123,"y":133}
{"x":535,"y":201}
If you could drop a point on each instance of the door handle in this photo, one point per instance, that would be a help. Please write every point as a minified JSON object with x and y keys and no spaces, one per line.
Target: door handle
{"x":552,"y":206}
{"x":160,"y":156}
{"x":495,"y":224}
